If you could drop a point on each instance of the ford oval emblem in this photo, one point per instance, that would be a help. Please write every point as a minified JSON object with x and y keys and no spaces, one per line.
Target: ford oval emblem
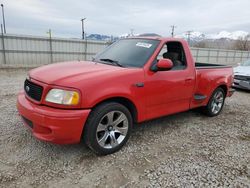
{"x":27,"y":88}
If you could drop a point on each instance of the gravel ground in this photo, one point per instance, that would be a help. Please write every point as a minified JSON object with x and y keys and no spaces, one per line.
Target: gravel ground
{"x":183,"y":150}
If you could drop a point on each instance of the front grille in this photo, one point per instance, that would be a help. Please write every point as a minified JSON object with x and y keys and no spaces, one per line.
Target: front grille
{"x":239,"y":77}
{"x":33,"y":90}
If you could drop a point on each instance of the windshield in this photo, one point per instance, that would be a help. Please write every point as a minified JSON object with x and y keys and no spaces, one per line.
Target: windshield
{"x":246,"y":63}
{"x":128,"y":52}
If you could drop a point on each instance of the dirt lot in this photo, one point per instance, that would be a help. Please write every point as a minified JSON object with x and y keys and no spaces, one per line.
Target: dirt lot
{"x":183,"y":150}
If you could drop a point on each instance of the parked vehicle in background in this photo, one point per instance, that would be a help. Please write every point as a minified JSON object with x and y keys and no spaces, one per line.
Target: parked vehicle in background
{"x":131,"y":81}
{"x":242,"y":75}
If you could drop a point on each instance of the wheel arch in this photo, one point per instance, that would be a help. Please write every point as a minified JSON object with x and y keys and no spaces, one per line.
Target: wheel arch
{"x":224,"y":87}
{"x":123,"y":101}
{"x":207,"y":109}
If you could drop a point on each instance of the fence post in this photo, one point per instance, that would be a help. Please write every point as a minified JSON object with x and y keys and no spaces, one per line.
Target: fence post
{"x":226,"y":56}
{"x":208,"y":55}
{"x":51,"y":50}
{"x":197,"y":54}
{"x":85,"y":49}
{"x":241,"y":57}
{"x":235,"y":56}
{"x":217,"y":56}
{"x":4,"y":54}
{"x":50,"y":47}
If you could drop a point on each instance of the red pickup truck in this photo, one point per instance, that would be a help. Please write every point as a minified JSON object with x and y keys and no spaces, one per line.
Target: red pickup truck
{"x":131,"y":81}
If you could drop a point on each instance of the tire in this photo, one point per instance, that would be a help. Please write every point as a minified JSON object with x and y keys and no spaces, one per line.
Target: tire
{"x":108,"y":128}
{"x":215,"y":103}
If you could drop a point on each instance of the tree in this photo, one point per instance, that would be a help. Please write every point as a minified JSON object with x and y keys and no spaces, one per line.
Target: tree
{"x":200,"y":44}
{"x":243,"y":43}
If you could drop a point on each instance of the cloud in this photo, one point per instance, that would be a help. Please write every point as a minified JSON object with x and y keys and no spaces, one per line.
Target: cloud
{"x":117,"y":17}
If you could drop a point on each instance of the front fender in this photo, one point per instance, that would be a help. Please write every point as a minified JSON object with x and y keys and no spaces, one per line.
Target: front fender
{"x":122,"y":84}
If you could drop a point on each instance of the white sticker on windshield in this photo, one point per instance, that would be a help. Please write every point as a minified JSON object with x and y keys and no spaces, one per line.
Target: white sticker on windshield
{"x":144,"y":45}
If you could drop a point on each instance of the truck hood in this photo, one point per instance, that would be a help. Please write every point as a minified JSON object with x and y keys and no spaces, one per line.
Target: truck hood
{"x":242,"y":70}
{"x":70,"y":72}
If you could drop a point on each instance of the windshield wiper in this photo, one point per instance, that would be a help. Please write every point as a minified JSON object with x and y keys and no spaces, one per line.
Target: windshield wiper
{"x":114,"y":62}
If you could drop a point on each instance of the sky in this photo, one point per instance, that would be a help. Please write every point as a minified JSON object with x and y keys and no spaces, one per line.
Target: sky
{"x":116,"y":17}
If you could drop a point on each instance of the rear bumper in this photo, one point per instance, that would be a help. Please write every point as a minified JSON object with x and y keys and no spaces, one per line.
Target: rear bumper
{"x":50,"y":124}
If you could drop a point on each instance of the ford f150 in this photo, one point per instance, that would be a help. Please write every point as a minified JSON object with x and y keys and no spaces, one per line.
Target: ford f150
{"x":131,"y":81}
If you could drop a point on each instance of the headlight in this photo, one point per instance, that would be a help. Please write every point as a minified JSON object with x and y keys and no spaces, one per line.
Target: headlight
{"x":65,"y":97}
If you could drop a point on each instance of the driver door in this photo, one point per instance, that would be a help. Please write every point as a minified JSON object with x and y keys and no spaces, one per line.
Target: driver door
{"x":170,"y":91}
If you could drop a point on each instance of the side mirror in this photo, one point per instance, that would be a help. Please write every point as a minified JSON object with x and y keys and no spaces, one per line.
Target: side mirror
{"x":164,"y":64}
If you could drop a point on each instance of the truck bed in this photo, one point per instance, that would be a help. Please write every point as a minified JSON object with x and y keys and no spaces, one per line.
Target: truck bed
{"x":199,"y":65}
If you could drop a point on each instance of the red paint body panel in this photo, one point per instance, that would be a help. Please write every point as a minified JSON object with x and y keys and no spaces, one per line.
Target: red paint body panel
{"x":207,"y":81}
{"x":164,"y":92}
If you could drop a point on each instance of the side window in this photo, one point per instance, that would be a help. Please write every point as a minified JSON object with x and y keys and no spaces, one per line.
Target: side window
{"x":175,"y":52}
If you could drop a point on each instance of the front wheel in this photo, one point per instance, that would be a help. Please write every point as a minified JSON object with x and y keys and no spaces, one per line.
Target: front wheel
{"x":216,"y":103}
{"x":108,"y":128}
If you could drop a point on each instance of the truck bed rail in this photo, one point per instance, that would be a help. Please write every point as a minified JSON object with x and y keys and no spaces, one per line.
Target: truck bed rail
{"x":199,"y":65}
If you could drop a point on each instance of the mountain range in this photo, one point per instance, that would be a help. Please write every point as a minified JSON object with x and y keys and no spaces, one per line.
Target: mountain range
{"x":194,"y":36}
{"x":101,"y":37}
{"x":199,"y":36}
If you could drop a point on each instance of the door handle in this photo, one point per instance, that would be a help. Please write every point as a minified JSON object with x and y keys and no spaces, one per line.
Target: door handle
{"x":139,"y":84}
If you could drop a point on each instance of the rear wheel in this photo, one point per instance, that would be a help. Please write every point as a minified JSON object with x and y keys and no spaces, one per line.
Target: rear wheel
{"x":216,"y":103}
{"x":108,"y":128}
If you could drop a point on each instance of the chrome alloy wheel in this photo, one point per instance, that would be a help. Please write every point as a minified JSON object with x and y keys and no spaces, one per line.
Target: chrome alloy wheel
{"x":217,"y":102}
{"x":112,"y":129}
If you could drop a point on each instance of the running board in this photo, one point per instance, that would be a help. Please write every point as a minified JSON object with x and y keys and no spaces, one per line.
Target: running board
{"x":199,"y":97}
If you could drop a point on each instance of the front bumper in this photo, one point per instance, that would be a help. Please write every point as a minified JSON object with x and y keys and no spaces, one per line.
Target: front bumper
{"x":241,"y":84}
{"x":51,"y":124}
